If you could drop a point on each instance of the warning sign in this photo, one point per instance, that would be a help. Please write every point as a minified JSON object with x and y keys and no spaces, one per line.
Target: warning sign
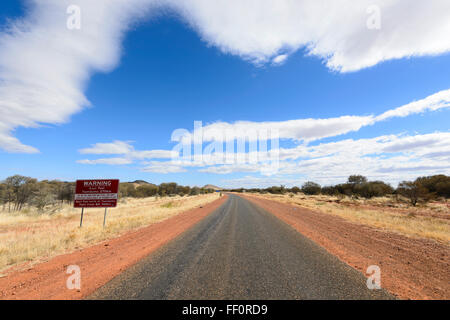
{"x":96,"y":193}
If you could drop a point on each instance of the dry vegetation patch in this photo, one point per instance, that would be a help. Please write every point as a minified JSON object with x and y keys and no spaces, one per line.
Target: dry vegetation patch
{"x":33,"y":236}
{"x":430,"y":221}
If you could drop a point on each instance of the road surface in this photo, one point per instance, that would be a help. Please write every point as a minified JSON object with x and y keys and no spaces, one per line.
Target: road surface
{"x":240,"y":251}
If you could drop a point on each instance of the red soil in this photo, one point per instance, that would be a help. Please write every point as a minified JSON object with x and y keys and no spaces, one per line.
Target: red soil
{"x":410,"y":268}
{"x":99,"y":263}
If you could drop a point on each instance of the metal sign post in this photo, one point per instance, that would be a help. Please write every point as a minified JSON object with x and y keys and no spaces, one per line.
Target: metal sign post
{"x":104,"y":218}
{"x":81,"y":220}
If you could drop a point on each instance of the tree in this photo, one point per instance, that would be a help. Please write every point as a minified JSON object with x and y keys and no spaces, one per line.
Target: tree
{"x":443,"y":188}
{"x":330,"y":190}
{"x":43,"y":196}
{"x":194,"y":191}
{"x":356,"y":179}
{"x":22,"y":189}
{"x":3,"y":195}
{"x":26,"y":191}
{"x":437,"y":184}
{"x":66,"y":191}
{"x":374,"y":189}
{"x":127,"y":190}
{"x":295,"y":190}
{"x":414,"y":191}
{"x":311,"y":188}
{"x":277,"y":190}
{"x":345,"y":188}
{"x":146,"y":190}
{"x":183,"y":190}
{"x":167,"y":189}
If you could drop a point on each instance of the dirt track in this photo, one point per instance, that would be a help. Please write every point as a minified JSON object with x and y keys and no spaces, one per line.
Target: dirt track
{"x":410,"y":268}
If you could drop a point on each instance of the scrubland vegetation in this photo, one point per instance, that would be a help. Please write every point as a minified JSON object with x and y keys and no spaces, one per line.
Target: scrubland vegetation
{"x":422,"y":190}
{"x":38,"y":221}
{"x":417,"y":208}
{"x":19,"y":193}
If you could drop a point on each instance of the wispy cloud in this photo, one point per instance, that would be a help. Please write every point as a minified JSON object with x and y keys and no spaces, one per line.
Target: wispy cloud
{"x":280,"y":59}
{"x":115,"y":147}
{"x":163,"y":167}
{"x":110,"y":161}
{"x":439,"y":100}
{"x":259,"y":182}
{"x":315,"y":129}
{"x":390,"y":158}
{"x":387,"y":156}
{"x":336,"y":31}
{"x":126,"y":150}
{"x":44,"y":67}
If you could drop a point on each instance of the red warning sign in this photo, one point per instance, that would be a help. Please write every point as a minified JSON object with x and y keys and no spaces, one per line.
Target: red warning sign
{"x":96,"y":193}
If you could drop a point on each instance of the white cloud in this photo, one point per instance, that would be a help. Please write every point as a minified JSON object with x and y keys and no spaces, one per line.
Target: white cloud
{"x":109,"y":161}
{"x":116,"y":147}
{"x":278,"y":60}
{"x":259,"y":182}
{"x":335,"y":31}
{"x":426,"y":151}
{"x":314,"y":129}
{"x":153,"y":154}
{"x":126,"y":150}
{"x":376,"y":156}
{"x":301,"y":129}
{"x":432,"y":145}
{"x":162,"y":167}
{"x":439,"y":100}
{"x":44,"y":67}
{"x":231,"y":168}
{"x":390,"y":158}
{"x":12,"y":144}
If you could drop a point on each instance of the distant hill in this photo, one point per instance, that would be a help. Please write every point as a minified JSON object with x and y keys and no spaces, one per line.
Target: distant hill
{"x":138,"y":183}
{"x":210,"y":186}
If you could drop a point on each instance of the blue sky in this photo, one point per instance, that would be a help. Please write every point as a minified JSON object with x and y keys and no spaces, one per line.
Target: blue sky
{"x":169,"y":73}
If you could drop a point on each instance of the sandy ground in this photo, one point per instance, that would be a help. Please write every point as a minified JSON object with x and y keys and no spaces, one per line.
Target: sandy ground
{"x":410,"y":268}
{"x":99,"y":263}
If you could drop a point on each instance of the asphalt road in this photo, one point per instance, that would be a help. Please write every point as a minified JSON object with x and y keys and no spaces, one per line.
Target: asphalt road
{"x":240,"y":251}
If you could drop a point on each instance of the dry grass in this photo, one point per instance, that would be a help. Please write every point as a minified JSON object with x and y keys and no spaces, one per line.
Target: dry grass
{"x":431,"y":221}
{"x":30,"y":236}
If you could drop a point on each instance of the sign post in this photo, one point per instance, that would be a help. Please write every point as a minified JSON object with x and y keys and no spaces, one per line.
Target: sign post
{"x":104,"y":217}
{"x":96,"y":194}
{"x":81,"y":220}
